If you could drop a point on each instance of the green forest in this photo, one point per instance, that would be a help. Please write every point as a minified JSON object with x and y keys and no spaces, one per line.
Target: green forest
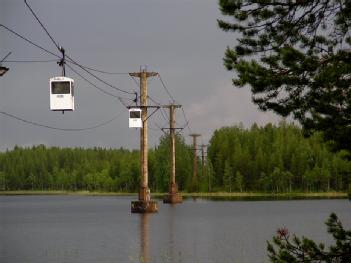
{"x":273,"y":159}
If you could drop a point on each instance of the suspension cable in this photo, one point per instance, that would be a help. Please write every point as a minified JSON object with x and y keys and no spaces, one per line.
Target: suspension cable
{"x":29,"y":41}
{"x":57,"y":128}
{"x":47,"y":32}
{"x":97,"y":87}
{"x":164,"y":86}
{"x":96,"y":77}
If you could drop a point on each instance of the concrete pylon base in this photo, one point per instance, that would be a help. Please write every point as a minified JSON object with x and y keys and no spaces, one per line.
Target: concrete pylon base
{"x":173,"y":198}
{"x":144,"y":206}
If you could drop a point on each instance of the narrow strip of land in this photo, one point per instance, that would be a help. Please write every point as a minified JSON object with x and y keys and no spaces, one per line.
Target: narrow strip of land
{"x":234,"y":195}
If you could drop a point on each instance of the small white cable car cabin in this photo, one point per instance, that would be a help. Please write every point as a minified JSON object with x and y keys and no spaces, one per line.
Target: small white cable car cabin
{"x":61,"y":94}
{"x":135,"y":118}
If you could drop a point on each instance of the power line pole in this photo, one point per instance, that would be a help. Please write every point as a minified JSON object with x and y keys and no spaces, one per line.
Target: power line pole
{"x":195,"y":181}
{"x":173,"y":196}
{"x":144,"y":204}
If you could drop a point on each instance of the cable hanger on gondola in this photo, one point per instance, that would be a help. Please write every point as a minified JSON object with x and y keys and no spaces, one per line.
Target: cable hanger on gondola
{"x":62,"y":87}
{"x":135,"y":114}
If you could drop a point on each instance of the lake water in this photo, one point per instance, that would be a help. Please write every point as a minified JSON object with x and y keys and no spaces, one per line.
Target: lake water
{"x":35,"y":229}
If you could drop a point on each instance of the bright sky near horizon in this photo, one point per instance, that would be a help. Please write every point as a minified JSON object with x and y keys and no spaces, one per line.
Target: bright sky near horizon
{"x":178,"y":39}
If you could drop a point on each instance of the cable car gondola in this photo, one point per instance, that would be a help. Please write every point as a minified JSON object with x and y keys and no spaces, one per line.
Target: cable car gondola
{"x":135,"y":118}
{"x":61,"y":94}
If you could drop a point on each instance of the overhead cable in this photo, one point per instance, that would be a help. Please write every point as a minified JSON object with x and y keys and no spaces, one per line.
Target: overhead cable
{"x":153,"y":100}
{"x":29,"y":41}
{"x":51,"y":53}
{"x":30,"y":61}
{"x":8,"y":54}
{"x":105,"y":72}
{"x":96,"y":77}
{"x":57,"y":128}
{"x":47,"y":32}
{"x":164,"y":86}
{"x":135,"y":81}
{"x":154,"y":129}
{"x":161,"y":108}
{"x":97,"y":87}
{"x":186,"y":120}
{"x":60,"y":49}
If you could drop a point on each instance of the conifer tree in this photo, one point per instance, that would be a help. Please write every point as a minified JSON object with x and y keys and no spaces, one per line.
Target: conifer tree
{"x":296,"y":58}
{"x":238,"y":181}
{"x":283,"y":249}
{"x":228,"y":176}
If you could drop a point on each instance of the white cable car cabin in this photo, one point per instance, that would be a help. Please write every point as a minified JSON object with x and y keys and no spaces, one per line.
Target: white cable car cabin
{"x":61,"y":94}
{"x":135,"y":118}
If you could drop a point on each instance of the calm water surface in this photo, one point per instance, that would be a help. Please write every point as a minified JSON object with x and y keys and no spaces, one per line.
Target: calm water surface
{"x":35,"y":229}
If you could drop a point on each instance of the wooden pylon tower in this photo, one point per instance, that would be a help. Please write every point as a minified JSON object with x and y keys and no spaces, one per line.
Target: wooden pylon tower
{"x":144,"y":204}
{"x":173,"y":196}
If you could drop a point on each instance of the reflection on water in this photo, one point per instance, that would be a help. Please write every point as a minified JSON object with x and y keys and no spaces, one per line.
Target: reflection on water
{"x":172,"y":244}
{"x":144,"y":238}
{"x":262,"y":198}
{"x":168,"y":228}
{"x":170,"y":252}
{"x":74,"y":229}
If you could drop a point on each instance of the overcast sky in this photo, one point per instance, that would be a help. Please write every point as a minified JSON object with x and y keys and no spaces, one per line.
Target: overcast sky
{"x":178,"y":39}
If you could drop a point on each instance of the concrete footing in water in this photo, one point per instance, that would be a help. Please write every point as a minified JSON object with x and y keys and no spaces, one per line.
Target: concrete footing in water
{"x":173,"y":196}
{"x":144,"y":204}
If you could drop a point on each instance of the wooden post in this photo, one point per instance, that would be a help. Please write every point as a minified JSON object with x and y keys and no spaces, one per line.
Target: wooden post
{"x":144,"y":205}
{"x":173,"y":196}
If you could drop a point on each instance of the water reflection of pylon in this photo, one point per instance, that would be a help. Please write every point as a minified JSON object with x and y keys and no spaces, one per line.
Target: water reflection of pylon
{"x":144,"y":238}
{"x":172,"y":244}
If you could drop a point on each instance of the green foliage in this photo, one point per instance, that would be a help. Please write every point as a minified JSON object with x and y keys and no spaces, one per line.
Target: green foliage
{"x":41,"y":168}
{"x":228,"y":177}
{"x":163,"y":164}
{"x":306,"y":250}
{"x":238,"y":182}
{"x":275,"y":159}
{"x":296,"y":58}
{"x":272,"y":159}
{"x":97,"y":169}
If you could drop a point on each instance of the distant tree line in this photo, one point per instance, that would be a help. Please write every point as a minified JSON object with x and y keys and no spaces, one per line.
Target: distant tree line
{"x":275,"y":159}
{"x":96,"y":169}
{"x":270,"y":159}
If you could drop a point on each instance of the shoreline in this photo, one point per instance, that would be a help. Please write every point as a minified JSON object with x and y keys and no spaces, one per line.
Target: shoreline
{"x":216,"y":195}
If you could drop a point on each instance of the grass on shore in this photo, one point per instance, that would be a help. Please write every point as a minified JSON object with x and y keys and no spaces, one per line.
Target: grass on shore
{"x":189,"y":195}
